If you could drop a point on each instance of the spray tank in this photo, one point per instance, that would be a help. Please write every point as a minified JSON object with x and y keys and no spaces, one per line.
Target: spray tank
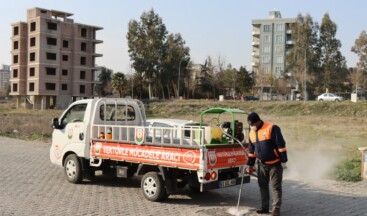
{"x":226,"y":132}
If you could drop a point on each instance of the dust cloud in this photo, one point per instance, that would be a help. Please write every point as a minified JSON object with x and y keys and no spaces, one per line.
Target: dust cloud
{"x":238,"y":212}
{"x":311,"y":163}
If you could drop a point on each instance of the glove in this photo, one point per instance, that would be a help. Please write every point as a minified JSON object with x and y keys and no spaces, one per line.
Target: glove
{"x":284,"y":165}
{"x":249,"y":169}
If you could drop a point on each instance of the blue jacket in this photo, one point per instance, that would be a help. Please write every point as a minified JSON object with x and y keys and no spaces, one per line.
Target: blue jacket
{"x":267,"y":145}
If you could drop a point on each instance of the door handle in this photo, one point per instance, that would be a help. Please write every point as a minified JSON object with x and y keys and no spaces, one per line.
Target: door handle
{"x":81,"y":136}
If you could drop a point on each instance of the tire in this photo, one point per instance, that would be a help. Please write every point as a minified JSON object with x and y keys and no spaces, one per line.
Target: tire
{"x":152,"y":186}
{"x":321,"y":100}
{"x":337,"y":100}
{"x":73,"y":170}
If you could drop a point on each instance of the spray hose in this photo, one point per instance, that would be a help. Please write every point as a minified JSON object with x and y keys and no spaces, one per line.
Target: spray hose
{"x":242,"y":171}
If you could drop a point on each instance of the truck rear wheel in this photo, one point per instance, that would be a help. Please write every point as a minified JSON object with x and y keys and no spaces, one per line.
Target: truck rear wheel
{"x":152,"y":186}
{"x":72,"y":167}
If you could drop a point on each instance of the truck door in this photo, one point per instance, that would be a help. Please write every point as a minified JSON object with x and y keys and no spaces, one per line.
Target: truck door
{"x":71,"y":135}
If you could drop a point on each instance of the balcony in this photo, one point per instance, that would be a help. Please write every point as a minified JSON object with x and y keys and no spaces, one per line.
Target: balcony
{"x":255,"y":63}
{"x":97,"y":41}
{"x":255,"y":43}
{"x":255,"y":33}
{"x":289,"y":31}
{"x":290,"y":42}
{"x":255,"y":54}
{"x":97,"y":55}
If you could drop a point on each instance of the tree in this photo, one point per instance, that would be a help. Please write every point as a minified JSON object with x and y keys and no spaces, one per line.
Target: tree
{"x":360,"y":48}
{"x":303,"y":59}
{"x":118,"y":82}
{"x":176,"y":60}
{"x":245,"y":81}
{"x":333,"y":64}
{"x":146,"y":46}
{"x":103,"y":88}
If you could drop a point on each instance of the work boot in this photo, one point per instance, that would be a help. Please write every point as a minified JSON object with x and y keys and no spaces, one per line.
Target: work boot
{"x":276,"y":212}
{"x":262,"y":211}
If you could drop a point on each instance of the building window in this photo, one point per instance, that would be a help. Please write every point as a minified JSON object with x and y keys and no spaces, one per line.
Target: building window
{"x":279,"y":38}
{"x":83,"y":46}
{"x":15,"y":87}
{"x":16,"y":30}
{"x":51,"y":56}
{"x":82,"y":89}
{"x":266,"y":59}
{"x":51,"y":71}
{"x":31,"y":87}
{"x":279,"y":59}
{"x":267,"y":28}
{"x":82,"y":74}
{"x":16,"y":45}
{"x":83,"y":61}
{"x":32,"y":56}
{"x":50,"y":86}
{"x":33,"y":26}
{"x":64,"y":72}
{"x":65,"y":43}
{"x":15,"y":73}
{"x":31,"y":72}
{"x":266,"y":49}
{"x":266,"y":69}
{"x":278,"y":70}
{"x":15,"y":59}
{"x":65,"y":57}
{"x":52,"y":26}
{"x":51,"y":41}
{"x":64,"y":87}
{"x":33,"y":42}
{"x":84,"y":32}
{"x":266,"y":38}
{"x":280,"y":27}
{"x":279,"y":49}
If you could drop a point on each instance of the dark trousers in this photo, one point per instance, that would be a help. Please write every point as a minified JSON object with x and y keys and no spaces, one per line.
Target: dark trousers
{"x":274,"y":173}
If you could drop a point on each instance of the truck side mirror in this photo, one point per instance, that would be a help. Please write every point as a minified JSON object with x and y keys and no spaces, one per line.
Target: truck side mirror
{"x":55,"y":123}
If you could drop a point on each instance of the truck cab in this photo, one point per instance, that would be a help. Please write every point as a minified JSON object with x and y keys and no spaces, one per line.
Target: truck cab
{"x":73,"y":130}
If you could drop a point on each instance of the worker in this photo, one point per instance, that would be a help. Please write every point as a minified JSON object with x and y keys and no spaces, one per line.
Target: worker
{"x":267,"y":145}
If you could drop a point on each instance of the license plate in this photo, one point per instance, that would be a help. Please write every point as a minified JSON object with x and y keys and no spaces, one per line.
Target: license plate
{"x":227,"y":183}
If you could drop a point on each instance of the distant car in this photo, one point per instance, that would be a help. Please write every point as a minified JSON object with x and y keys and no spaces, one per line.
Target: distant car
{"x":250,"y":98}
{"x":359,"y":91}
{"x":329,"y":97}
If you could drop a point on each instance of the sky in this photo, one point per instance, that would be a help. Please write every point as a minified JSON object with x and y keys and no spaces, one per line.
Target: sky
{"x":209,"y":27}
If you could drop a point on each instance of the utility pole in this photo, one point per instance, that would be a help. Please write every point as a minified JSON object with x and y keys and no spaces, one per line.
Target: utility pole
{"x":179,"y":77}
{"x":132,"y":82}
{"x":305,"y":79}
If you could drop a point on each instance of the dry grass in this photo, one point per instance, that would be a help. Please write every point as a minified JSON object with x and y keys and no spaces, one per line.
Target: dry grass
{"x":26,"y":124}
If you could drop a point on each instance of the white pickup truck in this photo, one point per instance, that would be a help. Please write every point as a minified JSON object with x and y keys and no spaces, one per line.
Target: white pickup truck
{"x":111,"y":135}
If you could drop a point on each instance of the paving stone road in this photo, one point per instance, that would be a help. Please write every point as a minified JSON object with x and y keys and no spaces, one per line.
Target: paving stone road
{"x":31,"y":185}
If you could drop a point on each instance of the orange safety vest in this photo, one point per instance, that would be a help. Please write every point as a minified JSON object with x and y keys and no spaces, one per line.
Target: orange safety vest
{"x":265,"y":149}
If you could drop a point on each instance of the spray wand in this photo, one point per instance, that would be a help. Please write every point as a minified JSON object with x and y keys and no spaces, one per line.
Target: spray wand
{"x":242,"y":172}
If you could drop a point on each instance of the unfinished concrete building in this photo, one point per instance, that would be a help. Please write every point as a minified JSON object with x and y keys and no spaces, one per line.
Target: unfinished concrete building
{"x":53,"y":59}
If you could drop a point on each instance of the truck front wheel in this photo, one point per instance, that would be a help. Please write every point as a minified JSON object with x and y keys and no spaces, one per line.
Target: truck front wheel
{"x":72,"y":167}
{"x":152,"y":186}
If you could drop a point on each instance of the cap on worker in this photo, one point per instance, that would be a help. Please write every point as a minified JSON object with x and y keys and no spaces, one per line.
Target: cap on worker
{"x":253,"y":118}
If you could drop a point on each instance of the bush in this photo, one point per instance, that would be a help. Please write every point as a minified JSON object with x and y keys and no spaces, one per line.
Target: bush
{"x":349,"y":171}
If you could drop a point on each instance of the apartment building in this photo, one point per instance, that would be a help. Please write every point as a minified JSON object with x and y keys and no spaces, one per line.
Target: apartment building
{"x":4,"y":79}
{"x":271,"y":38}
{"x":53,"y":59}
